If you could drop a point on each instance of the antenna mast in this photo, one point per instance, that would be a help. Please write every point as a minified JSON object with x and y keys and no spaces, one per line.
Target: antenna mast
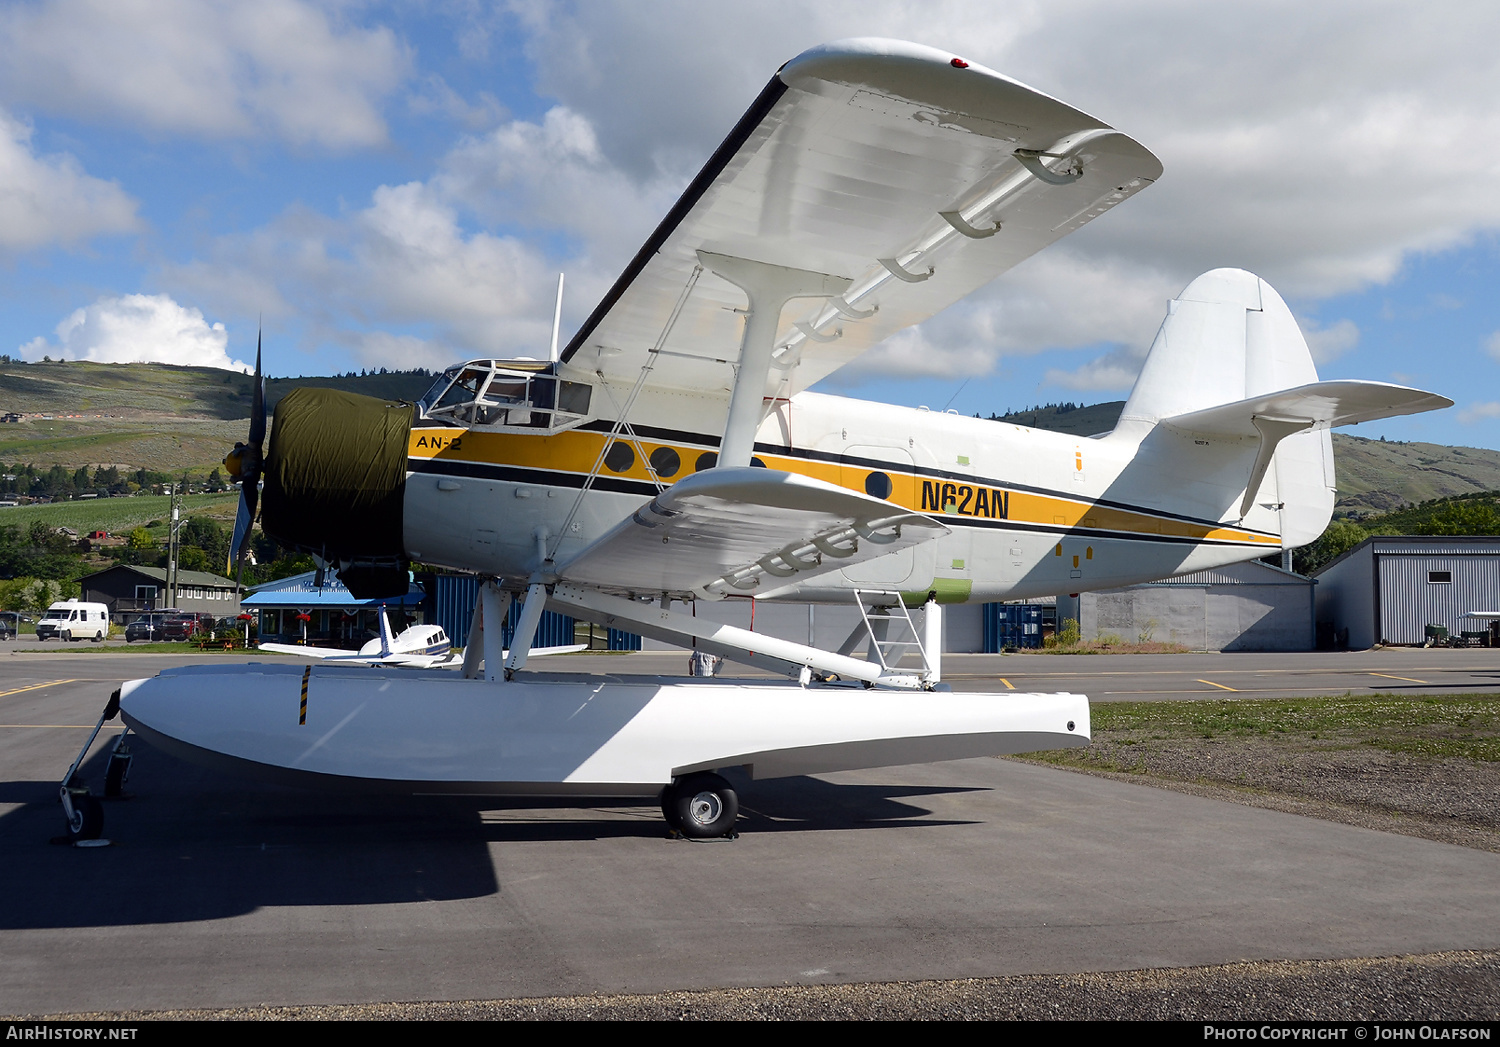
{"x":556,"y":319}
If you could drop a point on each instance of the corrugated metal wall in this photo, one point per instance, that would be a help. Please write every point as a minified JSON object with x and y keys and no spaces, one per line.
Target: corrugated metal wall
{"x":1409,"y":601}
{"x":450,"y":603}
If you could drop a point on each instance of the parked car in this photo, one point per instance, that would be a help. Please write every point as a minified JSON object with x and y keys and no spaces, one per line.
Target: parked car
{"x":146,"y":627}
{"x":185,"y":624}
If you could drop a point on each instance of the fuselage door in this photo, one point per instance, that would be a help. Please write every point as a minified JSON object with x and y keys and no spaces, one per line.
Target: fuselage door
{"x":883,"y":472}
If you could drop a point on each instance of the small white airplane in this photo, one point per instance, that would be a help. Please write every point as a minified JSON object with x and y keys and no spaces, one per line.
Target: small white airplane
{"x":671,"y":453}
{"x":415,"y":647}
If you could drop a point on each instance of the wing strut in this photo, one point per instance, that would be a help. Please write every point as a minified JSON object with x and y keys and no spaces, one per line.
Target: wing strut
{"x":797,"y":660}
{"x":769,"y":288}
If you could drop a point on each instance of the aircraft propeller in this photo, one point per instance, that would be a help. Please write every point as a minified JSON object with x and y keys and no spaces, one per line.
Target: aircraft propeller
{"x":244,"y":467}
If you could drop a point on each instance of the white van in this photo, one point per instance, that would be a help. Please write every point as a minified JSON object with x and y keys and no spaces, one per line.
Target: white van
{"x":74,"y":620}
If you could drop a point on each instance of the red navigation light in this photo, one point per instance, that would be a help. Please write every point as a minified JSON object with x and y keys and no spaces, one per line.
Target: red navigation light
{"x":959,"y":63}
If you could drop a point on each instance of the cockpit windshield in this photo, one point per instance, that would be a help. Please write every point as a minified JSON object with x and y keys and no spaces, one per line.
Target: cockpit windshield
{"x":507,"y":394}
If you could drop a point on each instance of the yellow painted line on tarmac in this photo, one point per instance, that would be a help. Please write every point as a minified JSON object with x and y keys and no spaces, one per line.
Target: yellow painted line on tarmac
{"x":35,"y":687}
{"x":1008,"y":685}
{"x":1218,"y":685}
{"x":1408,"y":679}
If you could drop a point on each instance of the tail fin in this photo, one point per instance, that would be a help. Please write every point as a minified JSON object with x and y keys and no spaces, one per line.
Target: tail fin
{"x":385,"y":634}
{"x":1228,"y":336}
{"x":1230,"y":362}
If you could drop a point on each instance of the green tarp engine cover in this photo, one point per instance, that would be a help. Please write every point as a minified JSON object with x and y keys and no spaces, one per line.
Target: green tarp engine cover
{"x":335,"y":479}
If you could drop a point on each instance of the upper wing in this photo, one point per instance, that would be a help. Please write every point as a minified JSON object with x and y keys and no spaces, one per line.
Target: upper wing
{"x":725,"y":530}
{"x":884,"y":163}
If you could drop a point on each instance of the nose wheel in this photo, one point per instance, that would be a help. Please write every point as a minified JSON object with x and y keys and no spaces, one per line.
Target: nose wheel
{"x":700,"y":806}
{"x":83,"y":814}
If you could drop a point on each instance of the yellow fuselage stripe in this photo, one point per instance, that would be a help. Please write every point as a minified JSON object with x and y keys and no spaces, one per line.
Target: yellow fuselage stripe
{"x":576,"y":451}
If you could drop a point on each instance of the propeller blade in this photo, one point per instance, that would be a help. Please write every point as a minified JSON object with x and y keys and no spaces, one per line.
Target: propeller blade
{"x":249,"y":459}
{"x":243,"y":518}
{"x":258,"y":408}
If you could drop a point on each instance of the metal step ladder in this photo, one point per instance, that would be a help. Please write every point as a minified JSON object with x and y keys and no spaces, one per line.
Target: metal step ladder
{"x":884,"y":612}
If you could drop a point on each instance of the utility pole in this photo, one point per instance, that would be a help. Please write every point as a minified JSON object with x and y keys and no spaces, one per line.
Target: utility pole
{"x":172,"y":546}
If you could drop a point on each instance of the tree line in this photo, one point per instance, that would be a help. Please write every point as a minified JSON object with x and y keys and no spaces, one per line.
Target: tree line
{"x":1471,"y":515}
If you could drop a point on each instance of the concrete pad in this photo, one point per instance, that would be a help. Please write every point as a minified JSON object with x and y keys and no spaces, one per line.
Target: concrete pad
{"x":221,"y":893}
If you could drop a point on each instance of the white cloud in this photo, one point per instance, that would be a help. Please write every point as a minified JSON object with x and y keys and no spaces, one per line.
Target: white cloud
{"x":1329,"y":343}
{"x":1285,"y":137}
{"x":1479,"y":412}
{"x":1290,"y":147}
{"x":417,"y":258}
{"x":138,"y":328}
{"x":1113,"y":372}
{"x":1492,"y":345}
{"x":283,"y":67}
{"x":50,"y":200}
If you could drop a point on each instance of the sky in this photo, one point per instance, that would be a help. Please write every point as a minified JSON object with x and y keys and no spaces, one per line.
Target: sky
{"x":399,"y":184}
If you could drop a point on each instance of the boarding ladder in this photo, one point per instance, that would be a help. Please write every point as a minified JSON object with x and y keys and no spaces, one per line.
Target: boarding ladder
{"x":882,"y":610}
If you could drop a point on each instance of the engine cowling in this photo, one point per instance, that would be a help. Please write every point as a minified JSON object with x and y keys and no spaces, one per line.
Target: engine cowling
{"x":335,"y":484}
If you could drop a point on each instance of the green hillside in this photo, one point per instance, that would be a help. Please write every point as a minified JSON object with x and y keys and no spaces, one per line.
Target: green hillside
{"x":119,"y":515}
{"x":175,"y":419}
{"x":72,"y":387}
{"x":153,"y":416}
{"x":1067,"y":418}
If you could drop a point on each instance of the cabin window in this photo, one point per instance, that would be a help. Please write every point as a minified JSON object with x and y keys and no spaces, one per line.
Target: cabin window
{"x":665,"y":462}
{"x":1440,"y":576}
{"x":619,"y":457}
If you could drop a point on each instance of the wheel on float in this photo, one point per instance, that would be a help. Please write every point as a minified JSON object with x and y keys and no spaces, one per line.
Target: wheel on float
{"x":669,"y":807}
{"x":700,"y":806}
{"x":88,"y":818}
{"x":116,"y":774}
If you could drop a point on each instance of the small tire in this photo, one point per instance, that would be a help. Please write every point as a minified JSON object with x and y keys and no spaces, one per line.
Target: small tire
{"x":88,"y":819}
{"x":669,"y":807}
{"x":115,"y":775}
{"x":65,"y":637}
{"x":702,"y":806}
{"x":98,"y":638}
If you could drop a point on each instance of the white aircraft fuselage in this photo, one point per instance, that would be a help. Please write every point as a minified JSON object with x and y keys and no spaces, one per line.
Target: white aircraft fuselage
{"x":1032,"y":513}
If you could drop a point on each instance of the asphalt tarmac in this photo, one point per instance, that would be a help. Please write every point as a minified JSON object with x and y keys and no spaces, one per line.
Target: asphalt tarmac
{"x":219,"y":892}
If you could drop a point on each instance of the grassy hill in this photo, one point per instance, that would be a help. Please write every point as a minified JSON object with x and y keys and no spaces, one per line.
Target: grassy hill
{"x":175,"y":419}
{"x":156,"y":416}
{"x":120,"y":515}
{"x":1065,"y":418}
{"x":1374,"y":476}
{"x":72,"y":387}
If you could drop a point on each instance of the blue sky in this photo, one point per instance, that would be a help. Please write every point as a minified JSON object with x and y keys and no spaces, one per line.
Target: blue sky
{"x":397,"y":184}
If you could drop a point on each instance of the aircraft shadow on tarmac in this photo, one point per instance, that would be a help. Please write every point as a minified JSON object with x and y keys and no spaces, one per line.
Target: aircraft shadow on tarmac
{"x":190,"y":845}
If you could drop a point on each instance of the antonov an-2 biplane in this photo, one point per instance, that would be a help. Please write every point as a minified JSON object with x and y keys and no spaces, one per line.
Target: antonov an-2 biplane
{"x":671,"y":453}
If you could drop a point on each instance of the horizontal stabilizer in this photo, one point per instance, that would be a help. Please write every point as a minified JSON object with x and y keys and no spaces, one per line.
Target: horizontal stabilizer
{"x":1320,"y":405}
{"x":725,"y":530}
